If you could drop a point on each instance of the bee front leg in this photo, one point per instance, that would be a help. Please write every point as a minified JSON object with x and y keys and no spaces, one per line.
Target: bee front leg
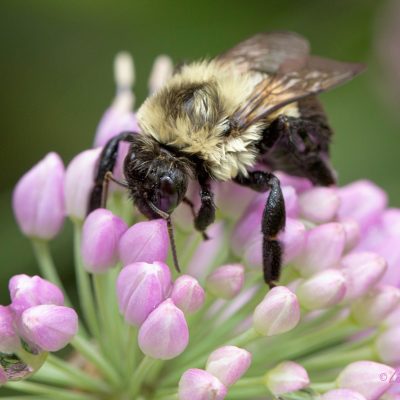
{"x":107,"y":161}
{"x":206,"y":214}
{"x":273,"y":221}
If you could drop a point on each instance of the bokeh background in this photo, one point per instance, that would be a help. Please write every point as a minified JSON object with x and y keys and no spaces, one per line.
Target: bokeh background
{"x":56,"y":80}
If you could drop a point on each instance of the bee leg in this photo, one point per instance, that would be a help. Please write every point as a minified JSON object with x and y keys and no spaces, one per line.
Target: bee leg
{"x":107,"y":160}
{"x":273,"y":221}
{"x":206,"y":214}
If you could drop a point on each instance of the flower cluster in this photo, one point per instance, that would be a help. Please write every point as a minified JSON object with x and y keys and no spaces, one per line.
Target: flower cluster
{"x":330,"y":331}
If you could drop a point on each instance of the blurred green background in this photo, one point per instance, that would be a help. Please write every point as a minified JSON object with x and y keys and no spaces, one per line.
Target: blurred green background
{"x":56,"y":80}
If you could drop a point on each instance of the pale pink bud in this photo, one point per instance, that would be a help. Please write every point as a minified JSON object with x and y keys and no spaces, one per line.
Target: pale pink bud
{"x":362,"y":201}
{"x":144,"y":242}
{"x":375,"y":305}
{"x":116,"y":119}
{"x":387,"y":346}
{"x":162,"y":70}
{"x":141,"y":287}
{"x":362,"y":271}
{"x":322,"y":290}
{"x":393,"y":318}
{"x":49,"y":327}
{"x":342,"y":394}
{"x":233,"y":199}
{"x":28,"y":291}
{"x":187,"y":294}
{"x":79,"y":182}
{"x":164,"y":334}
{"x":208,"y":251}
{"x":38,"y":199}
{"x":323,"y":249}
{"x":352,"y":231}
{"x":286,"y":377}
{"x":292,"y":207}
{"x":299,"y":184}
{"x":227,"y":281}
{"x":319,"y":204}
{"x":197,"y":384}
{"x":278,"y":312}
{"x":369,"y":378}
{"x":101,"y":233}
{"x":292,"y":238}
{"x":9,"y":340}
{"x":228,"y":364}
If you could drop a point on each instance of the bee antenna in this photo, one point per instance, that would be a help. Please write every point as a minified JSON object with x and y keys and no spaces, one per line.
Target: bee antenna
{"x":172,"y":241}
{"x":167,"y":218}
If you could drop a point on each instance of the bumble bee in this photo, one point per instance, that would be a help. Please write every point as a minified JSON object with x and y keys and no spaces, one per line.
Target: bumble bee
{"x":216,"y":119}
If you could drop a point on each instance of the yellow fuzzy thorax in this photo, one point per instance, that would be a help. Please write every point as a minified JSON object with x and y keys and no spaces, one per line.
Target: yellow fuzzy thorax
{"x":200,"y":127}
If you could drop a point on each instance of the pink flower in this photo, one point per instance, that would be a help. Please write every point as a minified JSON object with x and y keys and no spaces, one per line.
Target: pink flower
{"x":187,"y":294}
{"x":226,"y":281}
{"x":141,"y":287}
{"x":144,"y":242}
{"x":100,"y":238}
{"x":38,"y":199}
{"x":164,"y":334}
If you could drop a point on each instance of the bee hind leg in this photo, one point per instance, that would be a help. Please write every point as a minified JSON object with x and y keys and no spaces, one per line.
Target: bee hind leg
{"x":273,"y":221}
{"x":107,"y":161}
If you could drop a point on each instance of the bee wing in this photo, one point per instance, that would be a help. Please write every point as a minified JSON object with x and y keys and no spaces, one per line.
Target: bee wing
{"x":267,"y":52}
{"x":290,"y":73}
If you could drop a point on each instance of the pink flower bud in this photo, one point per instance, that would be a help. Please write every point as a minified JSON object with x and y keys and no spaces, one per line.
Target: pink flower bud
{"x":387,"y":346}
{"x":375,"y":305}
{"x":291,"y":202}
{"x":38,"y":199}
{"x":227,"y":281}
{"x":362,"y":270}
{"x":297,"y":183}
{"x":27,"y":291}
{"x":352,"y":231}
{"x":323,"y":248}
{"x":187,"y":294}
{"x":292,"y":238}
{"x":393,"y":318}
{"x":49,"y":327}
{"x":141,"y":287}
{"x":197,"y":384}
{"x":164,"y":334}
{"x":79,"y":181}
{"x":9,"y":340}
{"x":369,"y":378}
{"x":287,"y":377}
{"x":319,"y":204}
{"x":208,"y":251}
{"x":342,"y":394}
{"x":144,"y":242}
{"x":228,"y":364}
{"x":116,"y":119}
{"x":279,"y":312}
{"x":162,"y":70}
{"x":100,"y":237}
{"x":362,"y":201}
{"x":322,"y":290}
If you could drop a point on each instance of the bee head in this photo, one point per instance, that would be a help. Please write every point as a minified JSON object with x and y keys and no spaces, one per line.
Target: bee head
{"x":157,"y":177}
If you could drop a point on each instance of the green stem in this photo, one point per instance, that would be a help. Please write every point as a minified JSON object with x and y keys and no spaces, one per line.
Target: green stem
{"x":139,"y":375}
{"x":84,"y":287}
{"x":92,"y":354}
{"x":323,"y":387}
{"x":328,"y":360}
{"x":109,"y":337}
{"x":46,"y":265}
{"x":52,"y":392}
{"x":78,"y":378}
